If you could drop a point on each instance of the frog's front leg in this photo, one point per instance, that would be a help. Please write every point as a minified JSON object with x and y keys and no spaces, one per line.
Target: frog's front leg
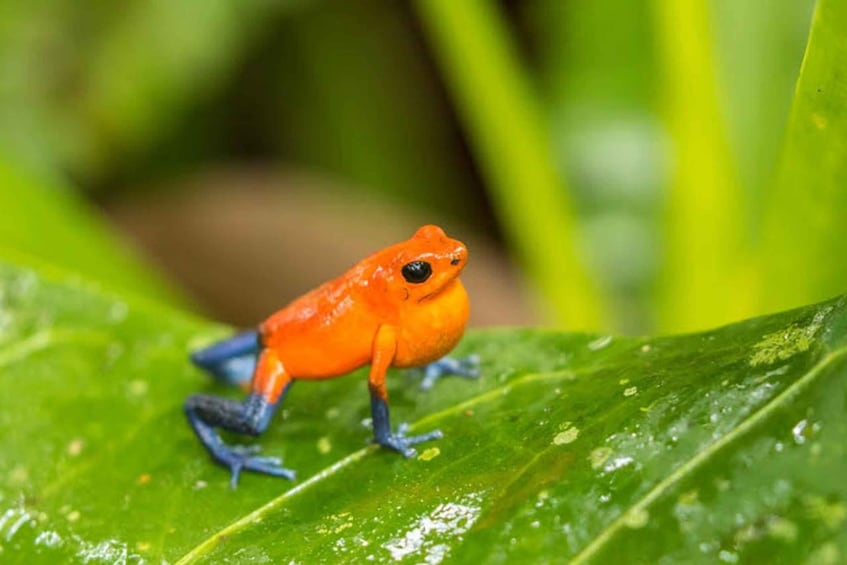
{"x":384,"y":348}
{"x":250,"y":417}
{"x":466,"y":367}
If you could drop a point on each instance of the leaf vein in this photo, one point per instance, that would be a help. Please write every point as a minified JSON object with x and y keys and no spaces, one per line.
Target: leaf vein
{"x":700,"y":458}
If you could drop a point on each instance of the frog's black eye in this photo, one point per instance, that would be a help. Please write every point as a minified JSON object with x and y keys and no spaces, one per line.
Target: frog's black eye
{"x":417,"y":271}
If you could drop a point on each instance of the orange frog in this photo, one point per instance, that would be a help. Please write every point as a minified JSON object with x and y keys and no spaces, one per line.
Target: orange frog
{"x":403,"y":306}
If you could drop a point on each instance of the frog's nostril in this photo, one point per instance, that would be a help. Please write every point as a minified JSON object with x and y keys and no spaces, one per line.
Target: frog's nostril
{"x":455,"y":261}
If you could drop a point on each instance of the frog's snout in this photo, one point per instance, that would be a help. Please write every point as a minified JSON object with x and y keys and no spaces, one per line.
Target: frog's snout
{"x":459,"y":256}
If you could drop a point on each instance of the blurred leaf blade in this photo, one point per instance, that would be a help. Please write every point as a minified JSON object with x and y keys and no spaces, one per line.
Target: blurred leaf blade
{"x":514,"y":151}
{"x":598,"y":65}
{"x":804,"y":229}
{"x":47,"y":221}
{"x":706,"y":246}
{"x":759,"y":46}
{"x":570,"y":445}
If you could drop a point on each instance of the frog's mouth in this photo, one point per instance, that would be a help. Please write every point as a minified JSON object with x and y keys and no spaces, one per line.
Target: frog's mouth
{"x":435,"y":293}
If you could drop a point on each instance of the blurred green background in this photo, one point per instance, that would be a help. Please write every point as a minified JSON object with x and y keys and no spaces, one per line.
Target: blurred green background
{"x":618,"y":165}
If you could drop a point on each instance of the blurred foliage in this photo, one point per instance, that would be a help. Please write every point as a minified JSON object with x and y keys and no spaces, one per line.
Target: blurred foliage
{"x":806,"y":227}
{"x":349,"y":90}
{"x":632,"y":154}
{"x":42,"y":221}
{"x":512,"y":143}
{"x":704,"y":244}
{"x":646,"y":123}
{"x":91,"y":86}
{"x":596,"y":70}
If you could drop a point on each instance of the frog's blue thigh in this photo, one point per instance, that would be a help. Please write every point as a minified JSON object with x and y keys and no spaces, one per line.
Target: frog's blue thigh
{"x":232,"y":360}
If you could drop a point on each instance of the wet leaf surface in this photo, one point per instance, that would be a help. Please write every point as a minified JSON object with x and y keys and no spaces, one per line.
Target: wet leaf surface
{"x":727,"y":445}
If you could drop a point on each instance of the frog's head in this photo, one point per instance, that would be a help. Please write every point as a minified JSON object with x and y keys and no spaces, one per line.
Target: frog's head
{"x":422,"y":267}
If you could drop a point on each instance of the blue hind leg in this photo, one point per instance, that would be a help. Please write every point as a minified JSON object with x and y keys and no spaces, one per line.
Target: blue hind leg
{"x":231,"y":361}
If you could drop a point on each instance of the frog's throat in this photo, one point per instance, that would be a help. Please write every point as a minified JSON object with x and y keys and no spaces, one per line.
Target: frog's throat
{"x":436,"y":293}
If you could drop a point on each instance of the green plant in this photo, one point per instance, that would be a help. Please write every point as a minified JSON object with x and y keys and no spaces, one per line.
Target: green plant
{"x":722,"y":445}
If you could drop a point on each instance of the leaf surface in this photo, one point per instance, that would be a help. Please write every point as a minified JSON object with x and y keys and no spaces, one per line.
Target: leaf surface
{"x":726,"y":445}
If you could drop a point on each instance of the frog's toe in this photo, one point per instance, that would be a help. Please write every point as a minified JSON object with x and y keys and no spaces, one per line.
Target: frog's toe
{"x":469,"y":366}
{"x":245,"y":450}
{"x":243,"y":458}
{"x":466,"y":367}
{"x":414,"y":440}
{"x":269,"y":466}
{"x":402,"y":444}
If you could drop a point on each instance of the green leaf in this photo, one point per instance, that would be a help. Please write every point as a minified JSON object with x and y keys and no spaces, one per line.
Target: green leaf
{"x":759,"y":45}
{"x":44,"y":220}
{"x":726,"y":445}
{"x":805,"y":228}
{"x":706,"y":244}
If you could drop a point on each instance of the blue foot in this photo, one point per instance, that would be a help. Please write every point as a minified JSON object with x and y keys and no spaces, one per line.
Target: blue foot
{"x":243,"y":458}
{"x":466,"y":367}
{"x":251,"y":417}
{"x":402,"y":443}
{"x":395,"y":441}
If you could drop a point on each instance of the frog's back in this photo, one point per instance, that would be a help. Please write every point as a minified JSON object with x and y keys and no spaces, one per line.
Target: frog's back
{"x":411,"y":286}
{"x":324,"y":333}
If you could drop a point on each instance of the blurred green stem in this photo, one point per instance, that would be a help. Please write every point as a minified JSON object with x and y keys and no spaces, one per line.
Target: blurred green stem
{"x":704,"y":281}
{"x":512,"y":145}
